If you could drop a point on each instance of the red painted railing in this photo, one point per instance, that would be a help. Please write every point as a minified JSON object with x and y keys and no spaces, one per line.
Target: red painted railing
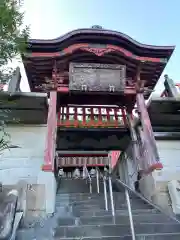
{"x":49,"y":156}
{"x":81,"y":161}
{"x":114,"y":156}
{"x":88,"y":116}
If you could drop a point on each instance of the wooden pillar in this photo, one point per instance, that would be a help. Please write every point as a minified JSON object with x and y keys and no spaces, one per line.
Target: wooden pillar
{"x":49,"y":156}
{"x":148,"y":134}
{"x":153,"y":161}
{"x":134,"y":140}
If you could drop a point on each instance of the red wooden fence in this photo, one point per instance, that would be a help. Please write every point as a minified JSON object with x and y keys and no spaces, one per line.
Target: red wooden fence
{"x":88,"y":116}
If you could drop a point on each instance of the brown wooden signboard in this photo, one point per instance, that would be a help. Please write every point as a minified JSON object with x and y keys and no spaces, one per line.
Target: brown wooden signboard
{"x":81,"y":161}
{"x":94,"y":77}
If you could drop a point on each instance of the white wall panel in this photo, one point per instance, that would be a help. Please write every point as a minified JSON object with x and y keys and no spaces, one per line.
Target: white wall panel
{"x":23,"y":162}
{"x":169,"y":152}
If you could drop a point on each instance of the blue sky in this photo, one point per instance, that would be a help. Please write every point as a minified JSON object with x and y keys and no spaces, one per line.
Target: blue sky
{"x":147,"y":21}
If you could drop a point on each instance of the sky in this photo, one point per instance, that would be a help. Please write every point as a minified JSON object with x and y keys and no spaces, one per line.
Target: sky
{"x":147,"y":21}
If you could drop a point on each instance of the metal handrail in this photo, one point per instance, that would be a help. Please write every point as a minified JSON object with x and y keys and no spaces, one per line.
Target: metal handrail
{"x":97,"y":179}
{"x":90,"y":180}
{"x":130,"y":214}
{"x":110,"y":191}
{"x":105,"y":189}
{"x":128,"y":205}
{"x":105,"y":193}
{"x":127,"y":190}
{"x":111,"y":196}
{"x":146,"y":200}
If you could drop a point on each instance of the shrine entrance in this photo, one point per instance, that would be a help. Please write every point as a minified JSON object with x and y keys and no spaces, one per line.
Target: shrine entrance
{"x":82,"y":123}
{"x":94,"y":82}
{"x":94,"y":79}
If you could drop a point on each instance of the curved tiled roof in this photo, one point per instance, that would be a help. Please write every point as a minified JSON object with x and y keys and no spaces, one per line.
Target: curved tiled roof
{"x":82,"y":45}
{"x":103,"y":33}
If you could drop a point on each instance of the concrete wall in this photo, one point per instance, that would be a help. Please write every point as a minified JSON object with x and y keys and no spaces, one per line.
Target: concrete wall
{"x":21,"y":168}
{"x":170,"y":157}
{"x":155,"y":186}
{"x":23,"y":163}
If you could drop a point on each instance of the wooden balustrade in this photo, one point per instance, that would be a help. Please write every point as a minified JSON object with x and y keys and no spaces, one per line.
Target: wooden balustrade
{"x":81,"y":161}
{"x":88,"y":116}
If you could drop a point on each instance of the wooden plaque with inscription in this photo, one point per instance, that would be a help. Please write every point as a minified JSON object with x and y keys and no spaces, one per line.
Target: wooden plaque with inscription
{"x":93,"y":77}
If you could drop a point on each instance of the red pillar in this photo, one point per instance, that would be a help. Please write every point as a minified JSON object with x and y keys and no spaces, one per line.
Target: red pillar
{"x":49,"y":156}
{"x":150,"y":142}
{"x":135,"y":150}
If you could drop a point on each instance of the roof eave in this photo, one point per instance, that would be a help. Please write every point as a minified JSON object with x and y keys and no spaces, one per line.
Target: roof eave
{"x":101,"y":32}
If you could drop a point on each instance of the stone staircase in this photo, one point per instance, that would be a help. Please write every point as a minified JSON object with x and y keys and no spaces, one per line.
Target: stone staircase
{"x":81,"y":215}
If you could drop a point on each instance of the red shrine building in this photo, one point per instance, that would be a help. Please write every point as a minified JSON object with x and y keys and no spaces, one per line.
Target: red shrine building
{"x":89,"y":105}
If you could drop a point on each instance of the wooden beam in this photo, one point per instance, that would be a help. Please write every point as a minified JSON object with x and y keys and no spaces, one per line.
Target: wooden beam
{"x":153,"y":161}
{"x":148,"y":134}
{"x":134,"y":139}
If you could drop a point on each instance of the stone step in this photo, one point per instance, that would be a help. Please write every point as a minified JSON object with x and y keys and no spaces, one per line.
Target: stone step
{"x":101,"y":212}
{"x":32,"y":235}
{"x":173,"y":236}
{"x":100,"y":196}
{"x":115,"y":230}
{"x":97,"y":201}
{"x":88,"y":196}
{"x":92,"y":194}
{"x":150,"y":218}
{"x":102,"y":206}
{"x":108,"y":220}
{"x":77,"y":186}
{"x":72,"y":186}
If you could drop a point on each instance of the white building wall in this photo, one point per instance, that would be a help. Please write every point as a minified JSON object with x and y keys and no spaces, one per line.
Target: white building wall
{"x":155,"y":185}
{"x":169,"y":151}
{"x":23,"y":163}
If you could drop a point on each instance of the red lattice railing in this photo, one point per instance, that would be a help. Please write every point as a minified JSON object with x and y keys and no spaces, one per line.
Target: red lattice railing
{"x":81,"y":161}
{"x":111,"y":117}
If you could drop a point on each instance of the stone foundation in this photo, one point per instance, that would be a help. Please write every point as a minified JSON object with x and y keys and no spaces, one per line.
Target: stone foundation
{"x":36,"y":199}
{"x":156,"y":191}
{"x":47,"y":181}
